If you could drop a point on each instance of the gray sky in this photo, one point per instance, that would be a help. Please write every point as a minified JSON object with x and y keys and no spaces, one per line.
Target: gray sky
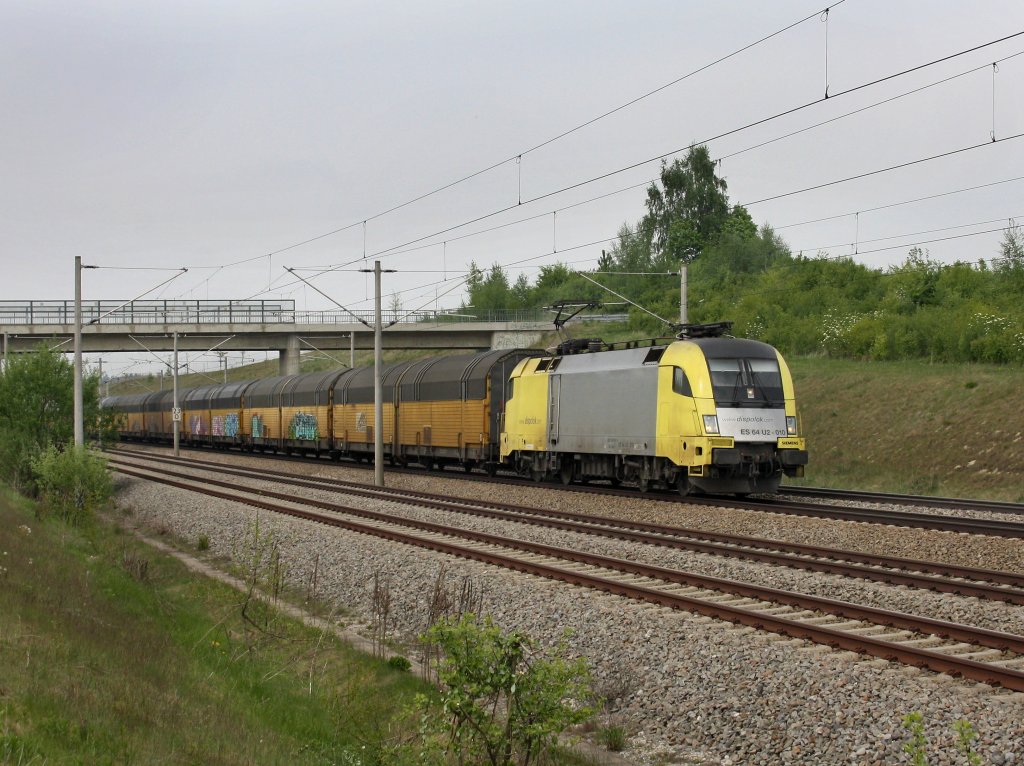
{"x":199,"y":134}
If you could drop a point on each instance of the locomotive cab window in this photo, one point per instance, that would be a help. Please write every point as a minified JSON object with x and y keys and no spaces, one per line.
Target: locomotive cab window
{"x":680,"y":383}
{"x":746,"y":382}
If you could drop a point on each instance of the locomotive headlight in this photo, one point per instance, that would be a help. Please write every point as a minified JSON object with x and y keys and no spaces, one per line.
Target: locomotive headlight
{"x":791,"y":425}
{"x":711,"y":424}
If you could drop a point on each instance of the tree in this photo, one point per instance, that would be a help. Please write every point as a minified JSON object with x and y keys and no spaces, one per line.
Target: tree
{"x":522,"y":293}
{"x":490,"y":292}
{"x":690,"y":207}
{"x":504,"y":700}
{"x":1012,"y":247}
{"x":37,"y":409}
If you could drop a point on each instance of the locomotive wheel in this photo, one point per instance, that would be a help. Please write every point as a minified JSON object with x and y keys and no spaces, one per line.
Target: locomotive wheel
{"x":683,"y":486}
{"x":537,"y":475}
{"x":566,"y":473}
{"x":643,"y":483}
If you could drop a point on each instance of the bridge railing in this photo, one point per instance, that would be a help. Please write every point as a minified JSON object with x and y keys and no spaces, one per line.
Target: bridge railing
{"x":424,"y":316}
{"x":147,"y":312}
{"x":248,"y":312}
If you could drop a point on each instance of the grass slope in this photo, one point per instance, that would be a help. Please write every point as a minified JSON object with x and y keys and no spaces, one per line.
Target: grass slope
{"x":915,"y":427}
{"x":112,"y":654}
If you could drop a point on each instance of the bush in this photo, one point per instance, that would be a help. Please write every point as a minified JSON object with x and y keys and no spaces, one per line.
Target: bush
{"x":36,"y":406}
{"x":504,"y":699}
{"x":399,"y":663}
{"x":72,"y":483}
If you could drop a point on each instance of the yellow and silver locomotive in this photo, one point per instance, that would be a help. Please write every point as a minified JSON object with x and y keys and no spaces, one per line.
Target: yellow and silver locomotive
{"x":706,"y":412}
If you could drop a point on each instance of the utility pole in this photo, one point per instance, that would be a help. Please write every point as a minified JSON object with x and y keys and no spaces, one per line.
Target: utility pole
{"x":378,"y":390}
{"x":378,"y":393}
{"x":5,"y":351}
{"x":176,"y":411}
{"x":682,"y":294}
{"x":351,"y":348}
{"x":78,"y":408}
{"x":101,"y":377}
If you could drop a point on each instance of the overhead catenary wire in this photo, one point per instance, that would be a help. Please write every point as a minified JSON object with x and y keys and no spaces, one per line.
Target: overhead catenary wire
{"x":898,"y":204}
{"x":632,"y":187}
{"x":792,"y":110}
{"x":447,"y":230}
{"x":519,"y":264}
{"x":518,"y":156}
{"x":904,"y":236}
{"x":393,"y":249}
{"x":386,"y":252}
{"x":882,"y":170}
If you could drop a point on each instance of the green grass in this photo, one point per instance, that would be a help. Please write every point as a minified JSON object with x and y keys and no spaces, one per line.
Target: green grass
{"x":113,"y":654}
{"x":913,"y":427}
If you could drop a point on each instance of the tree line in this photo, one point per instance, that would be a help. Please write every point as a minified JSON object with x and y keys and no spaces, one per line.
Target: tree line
{"x":967,"y":311}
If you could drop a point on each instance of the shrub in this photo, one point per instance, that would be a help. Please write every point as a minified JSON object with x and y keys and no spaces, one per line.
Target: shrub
{"x":73,"y":483}
{"x":504,"y":699}
{"x":399,"y":663}
{"x":36,"y":406}
{"x":203,"y":543}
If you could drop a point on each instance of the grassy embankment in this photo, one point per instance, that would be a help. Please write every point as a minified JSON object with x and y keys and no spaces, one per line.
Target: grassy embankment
{"x":912,"y":427}
{"x":113,"y":654}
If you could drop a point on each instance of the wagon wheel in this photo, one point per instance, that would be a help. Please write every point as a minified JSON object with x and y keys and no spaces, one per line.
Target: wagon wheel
{"x":537,"y":475}
{"x":643,"y":483}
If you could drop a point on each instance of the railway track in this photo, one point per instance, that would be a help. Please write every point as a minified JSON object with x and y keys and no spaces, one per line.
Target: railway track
{"x":960,"y":524}
{"x":992,"y":657}
{"x":936,"y":576}
{"x":954,"y":503}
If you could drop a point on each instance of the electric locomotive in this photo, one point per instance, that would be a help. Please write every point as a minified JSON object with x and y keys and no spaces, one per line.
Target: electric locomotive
{"x":706,"y":412}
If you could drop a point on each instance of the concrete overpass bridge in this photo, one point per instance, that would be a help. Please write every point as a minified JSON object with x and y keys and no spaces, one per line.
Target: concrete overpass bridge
{"x":110,"y":326}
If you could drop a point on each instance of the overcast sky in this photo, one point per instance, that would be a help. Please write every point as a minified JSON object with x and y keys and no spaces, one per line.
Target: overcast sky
{"x":200,"y":134}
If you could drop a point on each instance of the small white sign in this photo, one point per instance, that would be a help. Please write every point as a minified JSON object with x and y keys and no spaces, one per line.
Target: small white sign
{"x":176,"y":414}
{"x":752,"y":424}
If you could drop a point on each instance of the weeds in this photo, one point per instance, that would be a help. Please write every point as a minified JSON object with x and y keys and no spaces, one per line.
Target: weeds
{"x":448,"y":603}
{"x":917,"y":744}
{"x":612,"y":737}
{"x":381,"y":606}
{"x":135,"y":565}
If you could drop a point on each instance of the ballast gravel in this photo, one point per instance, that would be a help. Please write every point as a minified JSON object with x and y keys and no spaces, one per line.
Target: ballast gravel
{"x":689,"y":689}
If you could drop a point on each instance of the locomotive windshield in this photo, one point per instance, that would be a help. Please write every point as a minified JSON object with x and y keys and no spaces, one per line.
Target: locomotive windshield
{"x":746,"y":382}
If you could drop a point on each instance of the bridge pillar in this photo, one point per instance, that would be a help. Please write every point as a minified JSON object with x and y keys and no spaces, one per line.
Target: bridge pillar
{"x":288,"y":357}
